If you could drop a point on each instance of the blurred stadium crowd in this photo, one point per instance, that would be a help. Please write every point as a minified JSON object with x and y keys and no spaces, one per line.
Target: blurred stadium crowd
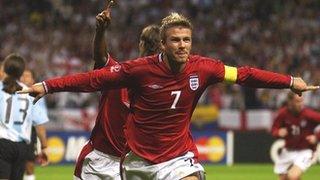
{"x":55,"y":36}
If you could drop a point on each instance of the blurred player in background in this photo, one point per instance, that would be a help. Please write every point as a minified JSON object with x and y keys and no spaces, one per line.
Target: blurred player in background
{"x":165,"y":90}
{"x":296,"y":124}
{"x":17,"y":117}
{"x":28,"y":78}
{"x":100,"y":157}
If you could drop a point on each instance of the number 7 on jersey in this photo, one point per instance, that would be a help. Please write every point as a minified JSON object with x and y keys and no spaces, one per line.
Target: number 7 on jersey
{"x":175,"y":101}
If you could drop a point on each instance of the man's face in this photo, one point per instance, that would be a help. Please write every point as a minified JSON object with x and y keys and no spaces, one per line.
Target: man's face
{"x":177,"y":44}
{"x":296,"y":104}
{"x":27,"y":78}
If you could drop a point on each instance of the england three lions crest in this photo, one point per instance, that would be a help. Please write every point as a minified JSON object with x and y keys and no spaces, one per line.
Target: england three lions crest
{"x":194,"y":82}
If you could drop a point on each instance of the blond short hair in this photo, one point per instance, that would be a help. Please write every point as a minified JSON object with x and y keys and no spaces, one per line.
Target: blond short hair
{"x":174,"y":19}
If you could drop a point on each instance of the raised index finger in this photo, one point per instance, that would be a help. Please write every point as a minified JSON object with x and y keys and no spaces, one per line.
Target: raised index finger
{"x":309,"y":88}
{"x":109,"y":3}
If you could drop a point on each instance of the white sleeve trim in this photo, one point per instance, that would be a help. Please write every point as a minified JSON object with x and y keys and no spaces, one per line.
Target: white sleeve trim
{"x":45,"y":87}
{"x":291,"y":81}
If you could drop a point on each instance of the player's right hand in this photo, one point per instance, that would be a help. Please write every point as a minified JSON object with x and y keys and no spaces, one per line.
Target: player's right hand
{"x":283,"y":132}
{"x":103,"y":19}
{"x":37,"y":90}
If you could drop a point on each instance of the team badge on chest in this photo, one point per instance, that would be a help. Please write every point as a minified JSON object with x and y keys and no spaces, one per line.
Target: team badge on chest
{"x":194,"y":82}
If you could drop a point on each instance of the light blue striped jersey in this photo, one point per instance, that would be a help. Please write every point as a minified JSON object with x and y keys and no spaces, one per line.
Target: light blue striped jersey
{"x":18,"y":115}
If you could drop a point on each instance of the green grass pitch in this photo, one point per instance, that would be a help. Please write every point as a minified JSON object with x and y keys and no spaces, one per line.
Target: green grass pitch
{"x":214,"y":172}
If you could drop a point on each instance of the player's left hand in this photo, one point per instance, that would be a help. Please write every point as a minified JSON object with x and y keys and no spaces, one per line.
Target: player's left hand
{"x":299,"y":86}
{"x":312,"y":139}
{"x":42,"y":158}
{"x":37,"y":90}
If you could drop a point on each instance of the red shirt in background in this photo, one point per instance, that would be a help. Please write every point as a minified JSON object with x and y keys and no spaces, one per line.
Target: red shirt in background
{"x":298,"y":126}
{"x":107,"y":135}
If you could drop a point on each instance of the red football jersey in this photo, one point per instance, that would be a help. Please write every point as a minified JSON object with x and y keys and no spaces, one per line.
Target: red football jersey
{"x":298,"y":126}
{"x":107,"y":135}
{"x":162,"y":102}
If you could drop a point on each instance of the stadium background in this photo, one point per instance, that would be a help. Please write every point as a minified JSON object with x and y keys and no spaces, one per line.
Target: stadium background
{"x":231,"y":124}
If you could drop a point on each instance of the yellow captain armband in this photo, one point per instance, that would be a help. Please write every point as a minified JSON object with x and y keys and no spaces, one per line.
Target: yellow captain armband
{"x":230,"y":74}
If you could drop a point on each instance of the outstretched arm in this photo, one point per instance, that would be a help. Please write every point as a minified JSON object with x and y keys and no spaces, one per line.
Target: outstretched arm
{"x":256,"y":78}
{"x":97,"y":80}
{"x":253,"y":77}
{"x":265,"y":79}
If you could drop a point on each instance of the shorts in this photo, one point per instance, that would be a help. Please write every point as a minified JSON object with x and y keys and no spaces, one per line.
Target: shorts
{"x":32,"y":147}
{"x":301,"y":158}
{"x":12,"y":159}
{"x":96,"y":165}
{"x":136,"y":168}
